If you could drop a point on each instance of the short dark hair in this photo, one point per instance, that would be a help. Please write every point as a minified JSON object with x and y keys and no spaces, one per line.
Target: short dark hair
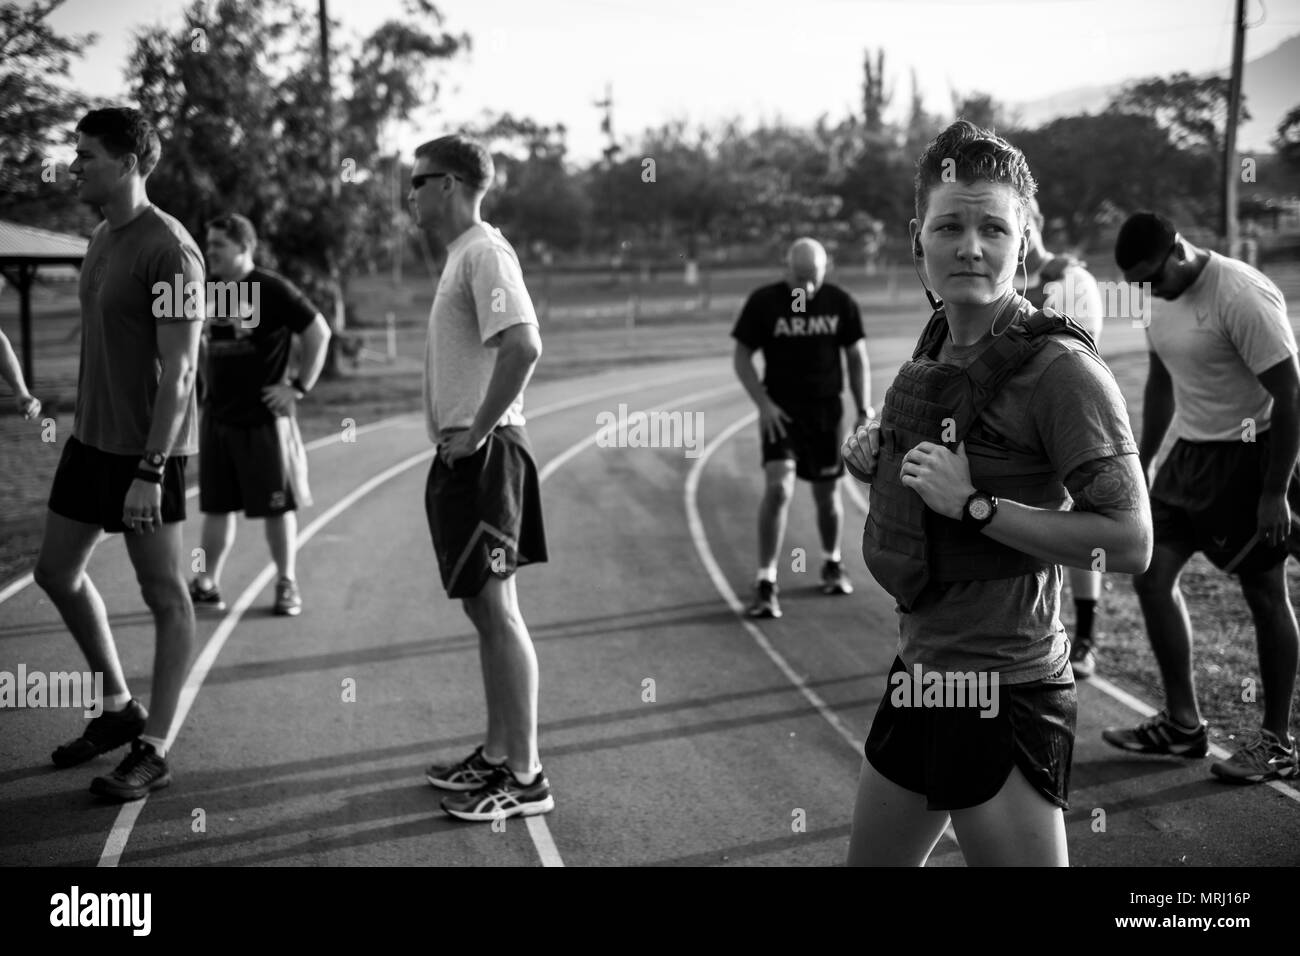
{"x":1144,"y":235}
{"x":124,"y":130}
{"x":968,"y":153}
{"x":237,"y":229}
{"x":462,"y":156}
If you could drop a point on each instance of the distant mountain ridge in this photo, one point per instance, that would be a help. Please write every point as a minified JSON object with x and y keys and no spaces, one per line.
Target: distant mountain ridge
{"x":1271,"y":83}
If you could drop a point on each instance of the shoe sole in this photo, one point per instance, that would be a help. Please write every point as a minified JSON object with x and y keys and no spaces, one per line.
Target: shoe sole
{"x":830,"y":589}
{"x":208,"y":608}
{"x":287,"y":611}
{"x":101,"y":788}
{"x":1139,"y":749}
{"x":531,"y":809}
{"x":448,"y":785}
{"x":766,"y":615}
{"x":1229,"y":777}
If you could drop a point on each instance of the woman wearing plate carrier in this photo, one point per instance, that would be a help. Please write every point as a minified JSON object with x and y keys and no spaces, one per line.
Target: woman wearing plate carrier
{"x":1003,"y":416}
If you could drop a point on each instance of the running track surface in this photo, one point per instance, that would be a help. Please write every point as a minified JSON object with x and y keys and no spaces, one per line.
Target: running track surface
{"x":748,"y":753}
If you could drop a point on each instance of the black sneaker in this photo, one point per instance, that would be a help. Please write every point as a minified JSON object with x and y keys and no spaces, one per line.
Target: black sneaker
{"x":206,"y":600}
{"x":834,"y":580}
{"x":1082,"y":660}
{"x":765,"y":602}
{"x":502,"y":796}
{"x":1160,"y":735}
{"x":140,"y":772}
{"x":468,"y":774}
{"x":288,"y":601}
{"x":108,"y":731}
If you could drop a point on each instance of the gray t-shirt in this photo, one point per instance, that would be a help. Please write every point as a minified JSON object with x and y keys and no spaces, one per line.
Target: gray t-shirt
{"x":480,"y":294}
{"x":120,"y":315}
{"x":1063,"y":405}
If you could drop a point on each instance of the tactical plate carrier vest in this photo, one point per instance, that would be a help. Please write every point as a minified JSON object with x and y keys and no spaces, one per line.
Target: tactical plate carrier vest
{"x":905,"y":544}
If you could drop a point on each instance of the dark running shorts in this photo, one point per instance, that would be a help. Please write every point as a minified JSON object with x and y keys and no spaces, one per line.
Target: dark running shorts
{"x":958,"y":759}
{"x":241,"y":468}
{"x":90,"y":486}
{"x":485,"y":513}
{"x":812,"y":439}
{"x":1205,"y":498}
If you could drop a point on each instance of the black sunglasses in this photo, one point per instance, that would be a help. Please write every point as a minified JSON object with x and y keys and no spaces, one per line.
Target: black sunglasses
{"x":1159,"y":270}
{"x":420,"y":180}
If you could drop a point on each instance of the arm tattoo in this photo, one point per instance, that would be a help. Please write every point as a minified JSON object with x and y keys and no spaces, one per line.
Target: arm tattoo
{"x":1105,"y":485}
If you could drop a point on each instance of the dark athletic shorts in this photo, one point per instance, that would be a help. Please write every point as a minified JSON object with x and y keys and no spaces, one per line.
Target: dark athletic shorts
{"x":241,"y":468}
{"x":1205,"y":498}
{"x":485,"y":513}
{"x":958,"y":759}
{"x":812,"y":439}
{"x":90,"y":486}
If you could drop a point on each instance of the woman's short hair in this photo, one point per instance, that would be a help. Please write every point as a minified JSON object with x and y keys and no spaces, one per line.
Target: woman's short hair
{"x":968,"y":153}
{"x":462,"y":156}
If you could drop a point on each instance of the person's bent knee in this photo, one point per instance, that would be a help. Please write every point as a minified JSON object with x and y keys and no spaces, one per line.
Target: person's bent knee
{"x":165,"y":594}
{"x":1154,"y":584}
{"x":57,"y":583}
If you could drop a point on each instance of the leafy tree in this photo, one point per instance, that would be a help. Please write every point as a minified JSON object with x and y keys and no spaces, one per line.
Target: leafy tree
{"x":1288,"y":138}
{"x":37,"y":115}
{"x":1194,"y":110}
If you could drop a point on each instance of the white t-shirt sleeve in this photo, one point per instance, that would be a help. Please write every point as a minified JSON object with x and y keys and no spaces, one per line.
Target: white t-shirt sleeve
{"x":1257,"y":325}
{"x":500,"y":298}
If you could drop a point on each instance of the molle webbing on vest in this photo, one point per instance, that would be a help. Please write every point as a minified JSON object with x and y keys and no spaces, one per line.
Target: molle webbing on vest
{"x":905,"y":544}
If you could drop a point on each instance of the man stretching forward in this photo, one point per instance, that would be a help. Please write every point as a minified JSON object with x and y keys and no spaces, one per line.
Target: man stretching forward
{"x":483,"y":494}
{"x":1223,"y":380}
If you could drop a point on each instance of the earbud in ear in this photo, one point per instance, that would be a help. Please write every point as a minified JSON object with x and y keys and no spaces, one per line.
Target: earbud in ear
{"x":917,"y":251}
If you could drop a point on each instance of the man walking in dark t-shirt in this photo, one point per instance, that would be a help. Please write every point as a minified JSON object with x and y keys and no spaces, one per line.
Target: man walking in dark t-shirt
{"x":250,"y":451}
{"x":123,"y":469}
{"x":801,"y":325}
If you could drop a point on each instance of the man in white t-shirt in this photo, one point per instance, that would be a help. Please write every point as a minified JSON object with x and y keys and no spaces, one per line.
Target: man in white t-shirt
{"x":483,"y":494}
{"x":1064,"y":284}
{"x":1223,"y":381}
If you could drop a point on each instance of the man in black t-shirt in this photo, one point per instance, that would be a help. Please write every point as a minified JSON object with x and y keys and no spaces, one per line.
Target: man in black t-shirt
{"x":801,"y":325}
{"x":251,"y":457}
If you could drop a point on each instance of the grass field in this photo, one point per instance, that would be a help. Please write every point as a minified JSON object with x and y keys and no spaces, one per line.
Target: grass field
{"x":586,"y":328}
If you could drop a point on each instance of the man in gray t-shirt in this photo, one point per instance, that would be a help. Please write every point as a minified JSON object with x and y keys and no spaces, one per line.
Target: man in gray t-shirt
{"x":123,"y":468}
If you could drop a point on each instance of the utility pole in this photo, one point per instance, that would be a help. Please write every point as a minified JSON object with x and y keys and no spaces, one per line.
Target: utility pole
{"x":1231,"y":171}
{"x":332,"y":175}
{"x":610,"y":151}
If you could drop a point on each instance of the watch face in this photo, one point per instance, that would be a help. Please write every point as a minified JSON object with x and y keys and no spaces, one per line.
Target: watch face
{"x":155,"y":458}
{"x":980,"y":509}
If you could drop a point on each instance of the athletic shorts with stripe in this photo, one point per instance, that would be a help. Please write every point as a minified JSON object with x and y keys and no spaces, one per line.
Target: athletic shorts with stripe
{"x":242,"y":468}
{"x":485,"y":513}
{"x":1205,"y":498}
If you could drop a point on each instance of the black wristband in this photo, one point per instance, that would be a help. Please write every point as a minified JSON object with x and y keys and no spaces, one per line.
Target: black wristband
{"x":301,"y":388}
{"x":153,"y":477}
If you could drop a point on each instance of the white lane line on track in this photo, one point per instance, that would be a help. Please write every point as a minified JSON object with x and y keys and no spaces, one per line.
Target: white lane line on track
{"x":537,"y":828}
{"x":724,"y":588}
{"x":23,"y":580}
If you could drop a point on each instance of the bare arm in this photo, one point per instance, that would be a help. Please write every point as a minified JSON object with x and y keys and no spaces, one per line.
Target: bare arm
{"x":517,"y":354}
{"x":1157,"y":410}
{"x":178,"y":350}
{"x":742,"y":361}
{"x":859,"y":376}
{"x":315,"y":345}
{"x":1283,"y":384}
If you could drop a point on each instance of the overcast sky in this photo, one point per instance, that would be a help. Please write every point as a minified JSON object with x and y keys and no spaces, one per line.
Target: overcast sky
{"x":758,"y":59}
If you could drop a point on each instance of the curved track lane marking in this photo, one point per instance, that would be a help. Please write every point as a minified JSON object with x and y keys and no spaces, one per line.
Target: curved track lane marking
{"x":547,"y":851}
{"x":723,"y":587}
{"x":23,"y":580}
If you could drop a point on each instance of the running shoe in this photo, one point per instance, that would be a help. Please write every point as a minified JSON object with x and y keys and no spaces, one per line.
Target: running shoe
{"x":206,"y":600}
{"x":1083,"y":660}
{"x":765,"y":602}
{"x":108,"y":731}
{"x":502,"y":796}
{"x":834,"y":580}
{"x":1262,"y":757}
{"x":469,"y":774}
{"x":140,"y":772}
{"x":288,"y":602}
{"x":1160,"y":735}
